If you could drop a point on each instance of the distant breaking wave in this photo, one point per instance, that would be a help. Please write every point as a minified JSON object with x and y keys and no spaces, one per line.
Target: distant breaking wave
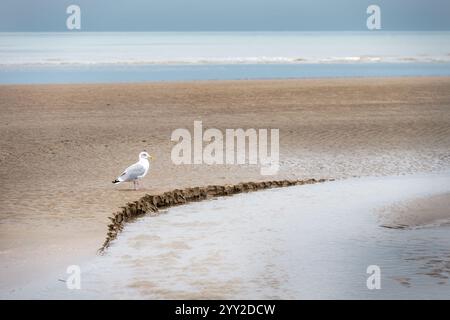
{"x":208,"y":48}
{"x":225,"y":61}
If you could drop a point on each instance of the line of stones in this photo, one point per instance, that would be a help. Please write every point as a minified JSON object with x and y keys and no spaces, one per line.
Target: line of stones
{"x":151,"y":204}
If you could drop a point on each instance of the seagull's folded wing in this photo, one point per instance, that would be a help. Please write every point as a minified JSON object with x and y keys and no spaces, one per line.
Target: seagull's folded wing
{"x":132,"y":172}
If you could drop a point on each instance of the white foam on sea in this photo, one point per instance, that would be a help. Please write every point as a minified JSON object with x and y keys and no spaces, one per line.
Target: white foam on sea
{"x":311,"y":241}
{"x":166,"y":48}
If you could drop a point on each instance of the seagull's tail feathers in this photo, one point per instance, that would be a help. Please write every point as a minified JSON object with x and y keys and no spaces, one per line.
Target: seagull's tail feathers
{"x":116,"y":181}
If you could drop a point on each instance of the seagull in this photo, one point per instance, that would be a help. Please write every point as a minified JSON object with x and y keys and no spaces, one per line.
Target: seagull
{"x":136,"y":171}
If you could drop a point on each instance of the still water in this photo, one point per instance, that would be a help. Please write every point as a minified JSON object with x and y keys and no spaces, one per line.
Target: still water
{"x":302,"y":242}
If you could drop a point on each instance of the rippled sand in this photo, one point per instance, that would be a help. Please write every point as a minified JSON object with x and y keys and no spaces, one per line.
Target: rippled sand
{"x":62,"y":145}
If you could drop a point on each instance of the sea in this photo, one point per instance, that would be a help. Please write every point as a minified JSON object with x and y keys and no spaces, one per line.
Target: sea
{"x":114,"y":57}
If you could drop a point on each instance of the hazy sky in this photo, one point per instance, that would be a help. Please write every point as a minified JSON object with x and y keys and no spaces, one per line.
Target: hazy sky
{"x":218,"y":15}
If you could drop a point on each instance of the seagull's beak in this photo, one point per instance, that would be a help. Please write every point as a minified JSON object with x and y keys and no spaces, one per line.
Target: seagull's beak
{"x":151,"y":157}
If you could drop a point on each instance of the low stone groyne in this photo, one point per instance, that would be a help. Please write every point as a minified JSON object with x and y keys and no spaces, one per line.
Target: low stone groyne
{"x":151,"y":204}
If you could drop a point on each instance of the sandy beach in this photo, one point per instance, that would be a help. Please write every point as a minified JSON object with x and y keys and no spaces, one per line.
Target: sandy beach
{"x":62,"y":145}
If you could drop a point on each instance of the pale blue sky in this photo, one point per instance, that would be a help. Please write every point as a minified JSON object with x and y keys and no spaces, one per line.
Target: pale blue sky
{"x":223,"y":15}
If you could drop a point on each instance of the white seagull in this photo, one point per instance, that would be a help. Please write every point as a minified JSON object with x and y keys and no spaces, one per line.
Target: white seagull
{"x":136,"y":171}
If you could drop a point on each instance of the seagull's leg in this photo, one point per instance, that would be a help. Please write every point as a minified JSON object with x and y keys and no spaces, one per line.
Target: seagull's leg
{"x":134,"y":185}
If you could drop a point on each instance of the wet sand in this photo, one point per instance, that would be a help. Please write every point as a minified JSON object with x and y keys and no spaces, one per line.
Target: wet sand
{"x":311,"y":241}
{"x":427,"y":211}
{"x":62,"y":145}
